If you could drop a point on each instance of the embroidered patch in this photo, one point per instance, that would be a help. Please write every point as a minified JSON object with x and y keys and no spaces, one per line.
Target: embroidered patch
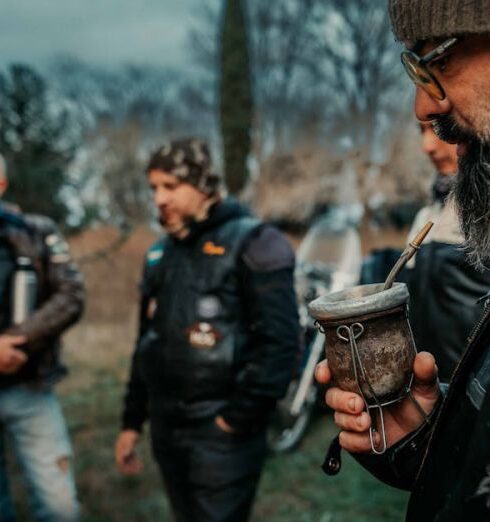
{"x":58,"y":248}
{"x":154,"y":255}
{"x":208,"y":307}
{"x":210,"y":249}
{"x":203,"y":336}
{"x":56,"y":244}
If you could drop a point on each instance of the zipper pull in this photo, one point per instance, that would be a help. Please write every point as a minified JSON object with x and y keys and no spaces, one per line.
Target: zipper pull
{"x":333,"y":461}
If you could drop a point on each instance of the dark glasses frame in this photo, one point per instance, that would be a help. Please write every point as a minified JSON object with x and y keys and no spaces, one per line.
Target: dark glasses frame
{"x":417,"y":68}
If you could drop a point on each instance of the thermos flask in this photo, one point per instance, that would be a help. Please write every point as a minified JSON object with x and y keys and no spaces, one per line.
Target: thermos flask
{"x":24,"y":290}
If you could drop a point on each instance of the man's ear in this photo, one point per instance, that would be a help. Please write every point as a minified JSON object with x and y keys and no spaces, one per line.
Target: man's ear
{"x":4,"y":184}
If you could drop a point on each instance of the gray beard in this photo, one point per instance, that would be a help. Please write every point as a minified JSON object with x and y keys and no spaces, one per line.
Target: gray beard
{"x":472,"y":196}
{"x":471,"y":190}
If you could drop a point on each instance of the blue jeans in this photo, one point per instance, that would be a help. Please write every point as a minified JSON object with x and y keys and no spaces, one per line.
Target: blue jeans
{"x":32,"y":421}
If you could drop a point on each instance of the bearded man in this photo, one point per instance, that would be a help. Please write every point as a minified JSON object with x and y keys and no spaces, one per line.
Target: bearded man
{"x":219,"y":335}
{"x":443,"y":457}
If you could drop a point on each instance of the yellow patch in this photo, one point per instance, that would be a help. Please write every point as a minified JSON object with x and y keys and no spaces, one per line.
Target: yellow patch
{"x":210,"y":249}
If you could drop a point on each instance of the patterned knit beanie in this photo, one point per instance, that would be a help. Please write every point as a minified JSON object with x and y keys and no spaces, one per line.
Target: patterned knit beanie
{"x":190,"y":161}
{"x":415,"y":20}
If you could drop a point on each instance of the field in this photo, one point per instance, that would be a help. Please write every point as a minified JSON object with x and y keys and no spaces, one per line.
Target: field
{"x":293,"y":488}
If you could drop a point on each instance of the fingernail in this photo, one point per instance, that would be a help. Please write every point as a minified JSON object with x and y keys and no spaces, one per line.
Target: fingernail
{"x":360,"y":420}
{"x":352,"y":403}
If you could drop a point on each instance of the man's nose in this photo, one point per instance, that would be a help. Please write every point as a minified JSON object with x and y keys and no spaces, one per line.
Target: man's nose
{"x":428,"y":108}
{"x":160,"y":197}
{"x":428,"y":141}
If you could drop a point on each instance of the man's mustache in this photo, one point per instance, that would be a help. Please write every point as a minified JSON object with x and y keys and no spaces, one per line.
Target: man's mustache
{"x":447,"y":129}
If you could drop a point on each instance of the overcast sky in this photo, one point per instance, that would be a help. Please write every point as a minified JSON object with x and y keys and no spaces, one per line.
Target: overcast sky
{"x":98,"y":31}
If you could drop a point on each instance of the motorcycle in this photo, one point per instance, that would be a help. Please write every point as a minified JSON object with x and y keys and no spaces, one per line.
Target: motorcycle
{"x":328,"y":260}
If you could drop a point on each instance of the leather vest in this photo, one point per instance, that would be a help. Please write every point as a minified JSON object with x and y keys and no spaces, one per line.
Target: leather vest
{"x":199,"y":333}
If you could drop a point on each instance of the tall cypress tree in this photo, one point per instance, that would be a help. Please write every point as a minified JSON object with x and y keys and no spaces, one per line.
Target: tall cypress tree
{"x":236,"y":103}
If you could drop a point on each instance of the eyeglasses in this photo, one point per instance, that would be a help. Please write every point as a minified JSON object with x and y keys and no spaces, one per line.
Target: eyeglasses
{"x":418,"y":70}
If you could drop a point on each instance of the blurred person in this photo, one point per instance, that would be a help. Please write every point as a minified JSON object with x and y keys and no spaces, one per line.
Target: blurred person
{"x":443,"y":456}
{"x":219,"y":335}
{"x":31,"y":420}
{"x":445,"y":289}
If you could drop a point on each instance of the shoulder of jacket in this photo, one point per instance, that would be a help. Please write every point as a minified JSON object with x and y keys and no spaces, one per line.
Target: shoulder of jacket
{"x":41,"y":224}
{"x":53,"y":240}
{"x":240,"y":225}
{"x":268,"y":249}
{"x":12,"y":216}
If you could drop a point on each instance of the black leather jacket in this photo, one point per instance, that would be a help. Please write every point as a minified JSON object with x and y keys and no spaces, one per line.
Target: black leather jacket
{"x":444,"y":302}
{"x":60,"y":294}
{"x":225,"y":334}
{"x":445,"y":297}
{"x":446,"y":464}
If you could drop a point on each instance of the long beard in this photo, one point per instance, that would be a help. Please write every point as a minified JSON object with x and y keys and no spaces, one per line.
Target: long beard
{"x":471,"y":190}
{"x":472,"y":196}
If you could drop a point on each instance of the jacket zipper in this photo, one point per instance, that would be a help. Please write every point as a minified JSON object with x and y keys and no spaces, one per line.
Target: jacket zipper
{"x":475,"y":333}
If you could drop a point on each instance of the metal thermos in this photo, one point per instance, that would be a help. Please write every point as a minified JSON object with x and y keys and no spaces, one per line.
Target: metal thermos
{"x":24,"y":290}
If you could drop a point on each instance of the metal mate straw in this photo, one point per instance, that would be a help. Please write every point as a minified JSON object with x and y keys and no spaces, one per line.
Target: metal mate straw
{"x":407,"y":254}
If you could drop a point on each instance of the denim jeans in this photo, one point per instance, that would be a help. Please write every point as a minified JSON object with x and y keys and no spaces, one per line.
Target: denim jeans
{"x":32,"y":421}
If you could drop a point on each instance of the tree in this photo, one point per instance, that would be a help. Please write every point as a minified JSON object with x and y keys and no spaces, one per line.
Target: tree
{"x":236,"y":103}
{"x":38,"y":138}
{"x":358,"y":65}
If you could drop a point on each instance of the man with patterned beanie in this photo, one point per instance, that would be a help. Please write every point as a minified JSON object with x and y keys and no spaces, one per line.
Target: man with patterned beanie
{"x":219,"y":335}
{"x":440,"y":450}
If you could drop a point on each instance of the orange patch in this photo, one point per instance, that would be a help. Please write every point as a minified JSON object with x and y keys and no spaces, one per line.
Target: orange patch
{"x":211,"y":249}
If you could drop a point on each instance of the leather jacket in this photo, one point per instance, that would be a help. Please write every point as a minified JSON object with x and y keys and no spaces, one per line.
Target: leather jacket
{"x":225,"y":334}
{"x":446,"y":462}
{"x":60,"y":295}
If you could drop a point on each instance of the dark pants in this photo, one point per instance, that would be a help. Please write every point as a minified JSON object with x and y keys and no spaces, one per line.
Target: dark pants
{"x":210,"y":475}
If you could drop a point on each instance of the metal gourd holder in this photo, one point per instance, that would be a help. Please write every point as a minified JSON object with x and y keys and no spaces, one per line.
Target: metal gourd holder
{"x":369,"y":345}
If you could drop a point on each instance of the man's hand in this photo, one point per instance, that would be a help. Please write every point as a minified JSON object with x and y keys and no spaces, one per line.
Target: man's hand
{"x":126,"y":459}
{"x":11,"y":358}
{"x":400,"y":418}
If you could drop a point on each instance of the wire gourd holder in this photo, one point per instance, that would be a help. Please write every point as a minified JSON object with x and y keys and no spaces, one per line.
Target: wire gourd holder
{"x":369,"y":343}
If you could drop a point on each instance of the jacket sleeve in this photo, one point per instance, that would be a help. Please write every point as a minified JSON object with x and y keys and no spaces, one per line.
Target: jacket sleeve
{"x":267,"y":267}
{"x":135,"y":404}
{"x":62,"y":286}
{"x":400,"y":464}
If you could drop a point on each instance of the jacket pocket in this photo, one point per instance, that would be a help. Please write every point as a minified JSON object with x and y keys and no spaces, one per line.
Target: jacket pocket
{"x":150,"y":358}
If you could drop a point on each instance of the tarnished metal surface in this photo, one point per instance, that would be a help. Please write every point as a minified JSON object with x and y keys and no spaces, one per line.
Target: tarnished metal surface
{"x":386,"y":350}
{"x":358,"y":300}
{"x":384,"y":340}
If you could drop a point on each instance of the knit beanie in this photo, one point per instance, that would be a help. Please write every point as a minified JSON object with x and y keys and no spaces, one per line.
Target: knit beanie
{"x":190,"y":161}
{"x":415,"y":20}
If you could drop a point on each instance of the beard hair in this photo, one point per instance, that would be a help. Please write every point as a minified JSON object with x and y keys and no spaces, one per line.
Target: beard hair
{"x":472,"y":196}
{"x":471,"y":189}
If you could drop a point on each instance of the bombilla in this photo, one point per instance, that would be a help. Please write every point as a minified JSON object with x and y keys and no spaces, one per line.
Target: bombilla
{"x":407,"y":254}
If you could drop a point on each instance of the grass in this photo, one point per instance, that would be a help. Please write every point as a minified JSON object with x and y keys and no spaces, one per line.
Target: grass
{"x":292,"y":489}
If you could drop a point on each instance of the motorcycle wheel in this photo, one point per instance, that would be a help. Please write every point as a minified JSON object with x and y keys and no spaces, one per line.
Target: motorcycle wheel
{"x":286,"y":431}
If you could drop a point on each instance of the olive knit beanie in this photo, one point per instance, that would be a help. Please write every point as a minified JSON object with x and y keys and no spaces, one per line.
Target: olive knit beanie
{"x":415,"y":20}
